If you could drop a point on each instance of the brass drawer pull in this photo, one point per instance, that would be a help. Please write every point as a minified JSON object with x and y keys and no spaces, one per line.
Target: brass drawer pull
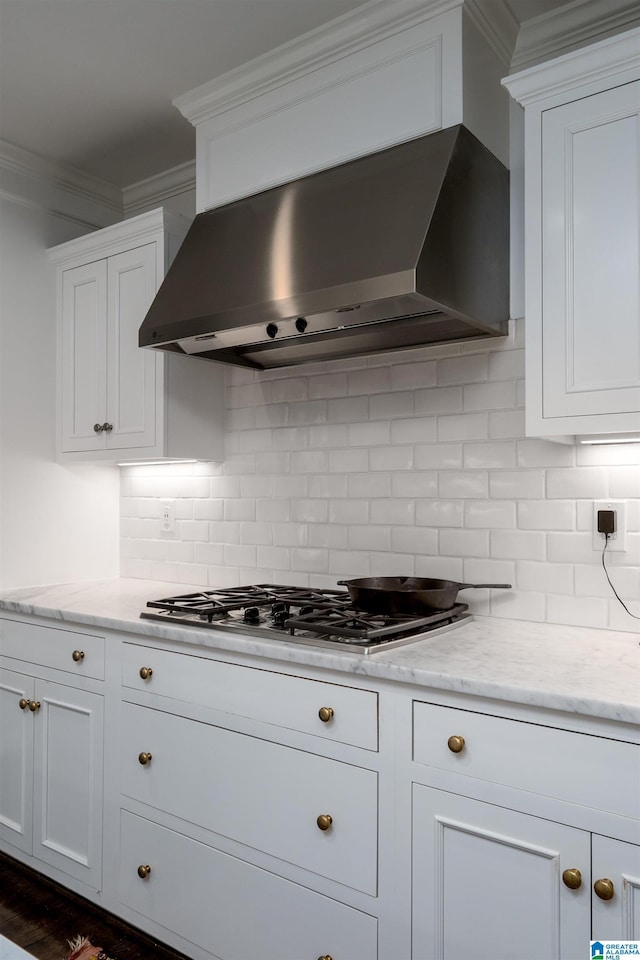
{"x":77,"y":655}
{"x":324,"y":821}
{"x":604,"y":888}
{"x":572,"y":878}
{"x":34,"y":705}
{"x":146,"y":672}
{"x":325,"y":714}
{"x":144,"y":758}
{"x":143,"y":871}
{"x":456,"y":744}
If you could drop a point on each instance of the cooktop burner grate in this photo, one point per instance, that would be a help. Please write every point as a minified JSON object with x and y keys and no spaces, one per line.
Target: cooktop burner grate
{"x":317,"y":617}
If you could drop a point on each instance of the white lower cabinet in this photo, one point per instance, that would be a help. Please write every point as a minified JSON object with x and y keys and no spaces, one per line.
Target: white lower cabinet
{"x":487,"y":882}
{"x":616,"y":885}
{"x":229,"y":907}
{"x":51,"y":741}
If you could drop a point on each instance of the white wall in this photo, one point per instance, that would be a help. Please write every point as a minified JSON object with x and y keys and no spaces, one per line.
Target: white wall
{"x":56,"y":523}
{"x":411,"y":463}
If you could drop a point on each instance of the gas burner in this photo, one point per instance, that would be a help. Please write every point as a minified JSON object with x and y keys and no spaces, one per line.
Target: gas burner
{"x":315,"y":617}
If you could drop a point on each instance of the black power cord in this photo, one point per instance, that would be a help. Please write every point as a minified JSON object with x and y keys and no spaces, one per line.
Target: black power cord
{"x":606,"y":542}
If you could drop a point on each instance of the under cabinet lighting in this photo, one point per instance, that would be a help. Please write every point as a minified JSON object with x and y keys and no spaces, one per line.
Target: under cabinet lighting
{"x":152,"y":463}
{"x":603,"y":440}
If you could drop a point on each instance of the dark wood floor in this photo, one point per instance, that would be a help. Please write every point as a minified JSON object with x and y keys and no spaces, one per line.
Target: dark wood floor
{"x":41,"y":917}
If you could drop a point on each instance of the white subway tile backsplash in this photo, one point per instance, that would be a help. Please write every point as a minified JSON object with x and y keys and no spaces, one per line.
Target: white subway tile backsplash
{"x":489,"y":396}
{"x":490,"y":514}
{"x":440,"y":513}
{"x":418,"y":485}
{"x":464,"y":543}
{"x":578,"y":483}
{"x":547,"y":515}
{"x":468,"y":426}
{"x":463,"y":483}
{"x":371,"y":433}
{"x":463,"y":369}
{"x":496,"y":454}
{"x":413,"y":462}
{"x":517,"y":544}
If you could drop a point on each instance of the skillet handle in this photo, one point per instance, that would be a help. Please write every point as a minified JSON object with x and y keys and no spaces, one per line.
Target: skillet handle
{"x":479,"y":586}
{"x":341,"y":583}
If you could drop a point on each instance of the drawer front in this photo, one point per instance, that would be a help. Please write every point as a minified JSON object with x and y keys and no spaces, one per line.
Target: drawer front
{"x":230,"y":908}
{"x":568,"y":766}
{"x":81,"y":654}
{"x":291,"y":702}
{"x":259,"y":793}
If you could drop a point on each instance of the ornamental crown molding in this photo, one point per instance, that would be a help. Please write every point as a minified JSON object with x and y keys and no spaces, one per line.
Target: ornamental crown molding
{"x":303,"y":55}
{"x":570,"y":26}
{"x":36,"y":179}
{"x":615,"y":60}
{"x":154,"y":191}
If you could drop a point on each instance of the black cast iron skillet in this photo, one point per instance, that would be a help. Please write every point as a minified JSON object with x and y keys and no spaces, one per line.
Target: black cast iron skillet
{"x":408,"y":596}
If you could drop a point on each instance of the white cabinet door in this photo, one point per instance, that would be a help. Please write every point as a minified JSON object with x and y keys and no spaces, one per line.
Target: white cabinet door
{"x":68,"y":779}
{"x":618,"y":917}
{"x":16,"y":759}
{"x":132,"y":373}
{"x":591,"y":257}
{"x":487,"y":883}
{"x":83,"y":360}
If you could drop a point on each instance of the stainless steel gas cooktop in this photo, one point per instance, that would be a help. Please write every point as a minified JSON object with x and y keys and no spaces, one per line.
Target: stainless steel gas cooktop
{"x":320,"y":618}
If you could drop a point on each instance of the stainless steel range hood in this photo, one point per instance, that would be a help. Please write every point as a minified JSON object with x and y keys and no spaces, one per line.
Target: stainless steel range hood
{"x":401,"y":248}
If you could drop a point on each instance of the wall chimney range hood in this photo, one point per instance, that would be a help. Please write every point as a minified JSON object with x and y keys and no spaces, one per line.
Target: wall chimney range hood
{"x":401,"y":248}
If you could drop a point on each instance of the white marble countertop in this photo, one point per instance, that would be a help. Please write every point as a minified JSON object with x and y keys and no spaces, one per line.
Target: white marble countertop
{"x":594,"y":673}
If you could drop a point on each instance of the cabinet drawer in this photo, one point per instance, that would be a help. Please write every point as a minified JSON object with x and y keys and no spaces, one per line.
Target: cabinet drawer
{"x":259,"y":793}
{"x":230,"y":908}
{"x":291,"y":702}
{"x":79,"y":653}
{"x":592,"y":771}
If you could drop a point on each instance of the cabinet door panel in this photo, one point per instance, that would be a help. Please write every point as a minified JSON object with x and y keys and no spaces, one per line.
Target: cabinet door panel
{"x":16,"y":760}
{"x":259,"y":793}
{"x":488,"y":882}
{"x":84,"y":338}
{"x":131,"y":371}
{"x":619,"y":917}
{"x":69,"y":775}
{"x":232,"y":909}
{"x":591,"y":255}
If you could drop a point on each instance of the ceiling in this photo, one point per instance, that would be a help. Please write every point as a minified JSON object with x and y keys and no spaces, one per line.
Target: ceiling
{"x":90,"y":83}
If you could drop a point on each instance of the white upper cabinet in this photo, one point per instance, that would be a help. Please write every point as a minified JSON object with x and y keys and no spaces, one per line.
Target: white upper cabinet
{"x":582,"y":239}
{"x":355,"y":86}
{"x":116,"y":400}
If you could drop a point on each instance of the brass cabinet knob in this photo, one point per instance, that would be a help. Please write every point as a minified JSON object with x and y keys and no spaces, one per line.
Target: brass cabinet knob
{"x":325,"y":714}
{"x":98,"y":427}
{"x":146,"y":672}
{"x":324,"y":821}
{"x":34,"y":705}
{"x":325,"y":957}
{"x":77,"y":655}
{"x":572,"y":878}
{"x":23,"y":704}
{"x":456,"y":744}
{"x":144,"y":758}
{"x":604,"y":888}
{"x":143,"y":871}
{"x":107,"y":427}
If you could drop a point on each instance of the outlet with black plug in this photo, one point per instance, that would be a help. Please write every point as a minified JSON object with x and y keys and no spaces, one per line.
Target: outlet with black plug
{"x":610,"y":525}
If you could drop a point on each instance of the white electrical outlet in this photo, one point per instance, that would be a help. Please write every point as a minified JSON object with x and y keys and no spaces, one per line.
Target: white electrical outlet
{"x":168,"y":516}
{"x":618,"y":540}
